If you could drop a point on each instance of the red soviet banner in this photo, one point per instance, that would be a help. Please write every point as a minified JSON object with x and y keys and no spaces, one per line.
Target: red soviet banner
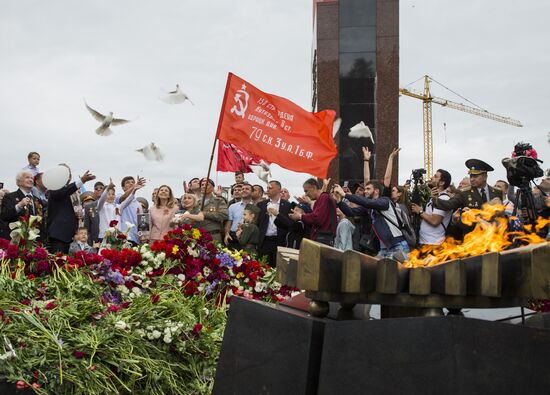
{"x":275,"y":129}
{"x":233,"y":158}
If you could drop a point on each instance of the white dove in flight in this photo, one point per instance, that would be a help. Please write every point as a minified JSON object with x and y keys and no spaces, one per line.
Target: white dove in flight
{"x":151,"y":152}
{"x":336,"y":126}
{"x":261,"y":169}
{"x":106,"y":121}
{"x":360,"y":131}
{"x":175,"y":97}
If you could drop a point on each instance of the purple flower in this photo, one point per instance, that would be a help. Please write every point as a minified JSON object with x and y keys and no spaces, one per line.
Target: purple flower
{"x":225,"y":260}
{"x":111,"y":297}
{"x":116,"y":277}
{"x":210,"y":288}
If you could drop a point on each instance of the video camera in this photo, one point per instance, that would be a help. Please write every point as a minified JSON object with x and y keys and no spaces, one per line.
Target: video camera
{"x":521,"y":170}
{"x":418,"y":174}
{"x":523,"y":167}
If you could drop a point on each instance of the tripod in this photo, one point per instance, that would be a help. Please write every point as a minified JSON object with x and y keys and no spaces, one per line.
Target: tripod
{"x":525,"y":201}
{"x":416,"y":199}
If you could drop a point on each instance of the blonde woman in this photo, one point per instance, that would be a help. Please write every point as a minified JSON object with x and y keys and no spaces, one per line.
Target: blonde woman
{"x":162,"y":212}
{"x":191,"y":209}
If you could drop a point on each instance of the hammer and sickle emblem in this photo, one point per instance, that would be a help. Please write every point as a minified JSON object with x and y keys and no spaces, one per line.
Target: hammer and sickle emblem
{"x":241,"y":99}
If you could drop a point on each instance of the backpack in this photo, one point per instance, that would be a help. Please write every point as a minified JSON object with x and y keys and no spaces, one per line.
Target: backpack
{"x":403,"y":224}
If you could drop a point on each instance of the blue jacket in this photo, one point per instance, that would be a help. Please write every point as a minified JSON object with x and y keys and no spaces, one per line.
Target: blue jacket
{"x":373,"y":207}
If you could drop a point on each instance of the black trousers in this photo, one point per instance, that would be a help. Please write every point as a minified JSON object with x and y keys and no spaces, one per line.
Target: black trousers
{"x":269,"y":249}
{"x":58,"y":246}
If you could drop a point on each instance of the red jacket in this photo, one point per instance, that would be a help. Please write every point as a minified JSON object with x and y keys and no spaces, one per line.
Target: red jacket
{"x":323,"y":218}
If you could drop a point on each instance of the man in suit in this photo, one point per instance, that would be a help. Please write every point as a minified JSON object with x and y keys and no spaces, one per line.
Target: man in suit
{"x":20,"y":203}
{"x":474,"y":196}
{"x":62,"y":221}
{"x":91,"y":215}
{"x":271,"y":235}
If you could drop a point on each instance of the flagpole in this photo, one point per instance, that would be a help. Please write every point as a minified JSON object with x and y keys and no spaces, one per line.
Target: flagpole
{"x":215,"y":140}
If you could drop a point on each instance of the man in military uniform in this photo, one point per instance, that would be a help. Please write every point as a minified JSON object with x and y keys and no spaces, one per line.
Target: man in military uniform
{"x":474,"y":196}
{"x":214,"y":212}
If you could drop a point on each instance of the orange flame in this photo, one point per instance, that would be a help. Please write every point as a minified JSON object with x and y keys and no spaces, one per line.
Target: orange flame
{"x":490,"y":234}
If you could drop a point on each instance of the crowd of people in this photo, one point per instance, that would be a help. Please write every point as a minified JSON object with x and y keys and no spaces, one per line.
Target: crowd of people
{"x":376,"y":217}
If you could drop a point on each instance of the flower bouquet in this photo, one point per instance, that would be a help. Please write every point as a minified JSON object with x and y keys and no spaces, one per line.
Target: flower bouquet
{"x":148,"y":319}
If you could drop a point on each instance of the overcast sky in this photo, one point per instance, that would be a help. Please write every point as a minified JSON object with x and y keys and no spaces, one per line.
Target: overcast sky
{"x":118,"y":55}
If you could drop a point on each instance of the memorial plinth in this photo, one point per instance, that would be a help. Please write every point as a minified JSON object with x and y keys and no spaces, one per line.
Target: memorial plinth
{"x":270,"y":349}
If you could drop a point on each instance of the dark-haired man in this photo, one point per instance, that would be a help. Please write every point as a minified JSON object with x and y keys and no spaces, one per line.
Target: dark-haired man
{"x":235,"y":193}
{"x":236,"y":213}
{"x":130,"y":207}
{"x":91,"y":216}
{"x":384,"y":217}
{"x":322,"y":220}
{"x":257,"y":194}
{"x":434,"y":222}
{"x":61,"y":221}
{"x":271,"y":235}
{"x":239,"y":177}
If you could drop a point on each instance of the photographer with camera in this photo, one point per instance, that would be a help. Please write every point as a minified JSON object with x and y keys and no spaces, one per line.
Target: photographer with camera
{"x":474,"y":196}
{"x":434,"y":222}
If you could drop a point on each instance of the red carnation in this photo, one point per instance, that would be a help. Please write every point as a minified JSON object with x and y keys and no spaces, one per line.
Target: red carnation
{"x":113,"y":308}
{"x":155,"y":298}
{"x":21,"y":384}
{"x":197,"y":328}
{"x":12,"y":251}
{"x":50,"y":305}
{"x":79,"y":354}
{"x":113,"y":223}
{"x":42,"y":266}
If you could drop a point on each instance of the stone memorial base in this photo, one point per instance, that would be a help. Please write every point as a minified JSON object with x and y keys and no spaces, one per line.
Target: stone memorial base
{"x":269,"y":349}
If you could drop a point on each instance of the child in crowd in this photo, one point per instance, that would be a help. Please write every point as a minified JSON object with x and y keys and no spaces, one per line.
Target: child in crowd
{"x":34,"y":161}
{"x":80,"y":242}
{"x":344,"y":232}
{"x":248,"y":233}
{"x":107,"y":209}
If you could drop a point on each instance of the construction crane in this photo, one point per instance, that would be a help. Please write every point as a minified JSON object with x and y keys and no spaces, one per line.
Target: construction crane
{"x":427,"y":100}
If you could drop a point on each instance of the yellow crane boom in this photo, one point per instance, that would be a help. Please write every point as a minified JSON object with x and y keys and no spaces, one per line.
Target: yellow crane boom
{"x":427,"y":100}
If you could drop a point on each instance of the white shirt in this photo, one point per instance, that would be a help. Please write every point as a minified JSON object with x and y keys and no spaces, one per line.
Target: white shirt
{"x":107,"y":213}
{"x":271,"y":227}
{"x":486,"y":189}
{"x":435,"y":235}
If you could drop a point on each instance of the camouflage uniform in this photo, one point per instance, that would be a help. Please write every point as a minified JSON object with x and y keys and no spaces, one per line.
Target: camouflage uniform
{"x":215,"y":213}
{"x":468,"y":197}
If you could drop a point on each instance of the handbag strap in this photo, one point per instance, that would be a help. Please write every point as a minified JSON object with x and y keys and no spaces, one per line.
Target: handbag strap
{"x":399,"y":224}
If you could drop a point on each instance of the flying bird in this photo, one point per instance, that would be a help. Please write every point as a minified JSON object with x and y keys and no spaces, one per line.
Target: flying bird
{"x":360,"y":131}
{"x":175,"y":97}
{"x":336,"y":126}
{"x":261,"y":169}
{"x":106,"y":121}
{"x":151,"y":152}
